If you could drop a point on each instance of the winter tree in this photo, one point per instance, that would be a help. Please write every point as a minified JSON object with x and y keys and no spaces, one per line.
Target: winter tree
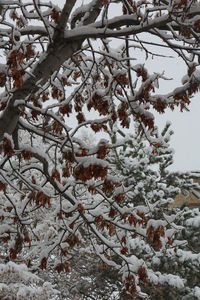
{"x":69,"y":65}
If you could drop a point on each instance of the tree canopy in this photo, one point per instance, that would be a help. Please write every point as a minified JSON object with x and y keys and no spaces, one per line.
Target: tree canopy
{"x":67,"y":66}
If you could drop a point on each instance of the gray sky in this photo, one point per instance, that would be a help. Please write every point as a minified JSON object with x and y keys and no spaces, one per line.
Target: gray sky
{"x":186,"y":138}
{"x":186,"y":125}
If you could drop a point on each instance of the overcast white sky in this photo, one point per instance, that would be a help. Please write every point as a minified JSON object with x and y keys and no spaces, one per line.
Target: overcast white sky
{"x":186,"y":138}
{"x":186,"y":125}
